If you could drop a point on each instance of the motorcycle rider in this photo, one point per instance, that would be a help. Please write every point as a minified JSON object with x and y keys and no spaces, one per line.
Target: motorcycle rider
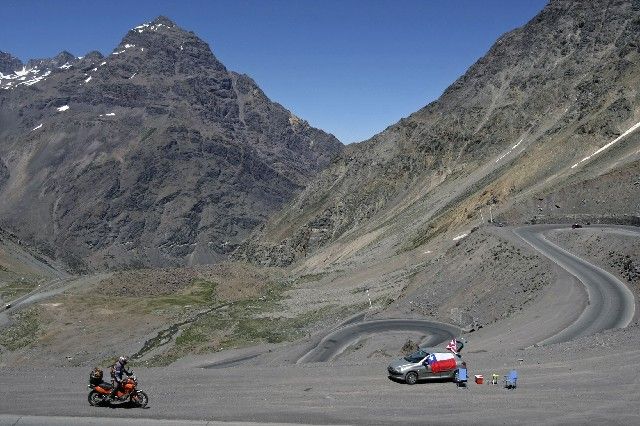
{"x":117,"y":374}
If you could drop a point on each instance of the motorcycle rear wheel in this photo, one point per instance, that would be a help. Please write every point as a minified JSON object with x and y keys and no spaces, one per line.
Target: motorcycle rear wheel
{"x":140,"y":399}
{"x":95,"y":398}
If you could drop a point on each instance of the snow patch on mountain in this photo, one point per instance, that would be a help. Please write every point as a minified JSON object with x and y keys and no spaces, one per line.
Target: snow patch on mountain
{"x":25,"y":76}
{"x":148,"y":26}
{"x":141,"y":28}
{"x":510,"y":150}
{"x":609,"y":145}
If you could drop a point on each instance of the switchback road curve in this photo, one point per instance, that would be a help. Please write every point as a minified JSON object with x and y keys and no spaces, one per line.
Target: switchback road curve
{"x":611,"y":303}
{"x":337,"y":341}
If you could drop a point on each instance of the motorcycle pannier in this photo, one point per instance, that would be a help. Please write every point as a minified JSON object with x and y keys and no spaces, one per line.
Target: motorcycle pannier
{"x":95,"y":378}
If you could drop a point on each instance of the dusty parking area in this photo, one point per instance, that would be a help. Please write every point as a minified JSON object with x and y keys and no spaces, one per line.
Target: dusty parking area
{"x":590,"y":380}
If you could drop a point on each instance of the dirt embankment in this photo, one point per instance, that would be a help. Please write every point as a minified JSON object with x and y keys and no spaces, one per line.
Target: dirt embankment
{"x":486,"y":276}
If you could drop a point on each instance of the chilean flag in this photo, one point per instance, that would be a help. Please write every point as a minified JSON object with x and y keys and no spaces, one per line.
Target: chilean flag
{"x":441,"y":362}
{"x":453,"y":346}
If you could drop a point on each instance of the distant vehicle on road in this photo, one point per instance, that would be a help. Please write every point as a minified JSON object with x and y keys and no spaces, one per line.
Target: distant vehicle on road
{"x":576,"y":225}
{"x":424,"y":364}
{"x":7,"y":306}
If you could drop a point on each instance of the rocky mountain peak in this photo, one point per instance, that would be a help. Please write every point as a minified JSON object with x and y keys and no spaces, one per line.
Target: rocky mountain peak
{"x":9,"y":63}
{"x":163,"y":20}
{"x":62,"y":60}
{"x":156,"y":153}
{"x":94,"y":55}
{"x":161,"y":46}
{"x":14,"y":73}
{"x":63,"y":57}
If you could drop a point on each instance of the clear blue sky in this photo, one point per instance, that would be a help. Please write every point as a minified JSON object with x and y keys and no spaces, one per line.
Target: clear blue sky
{"x":350,"y":67}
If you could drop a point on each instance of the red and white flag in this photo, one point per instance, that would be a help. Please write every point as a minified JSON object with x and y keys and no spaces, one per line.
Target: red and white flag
{"x":441,"y":362}
{"x":453,"y":346}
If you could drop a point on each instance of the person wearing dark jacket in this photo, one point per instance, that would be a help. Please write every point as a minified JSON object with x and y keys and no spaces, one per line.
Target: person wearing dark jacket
{"x":119,"y":370}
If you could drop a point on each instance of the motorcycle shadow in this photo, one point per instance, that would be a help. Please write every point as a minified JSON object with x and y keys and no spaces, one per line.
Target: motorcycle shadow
{"x":127,"y":405}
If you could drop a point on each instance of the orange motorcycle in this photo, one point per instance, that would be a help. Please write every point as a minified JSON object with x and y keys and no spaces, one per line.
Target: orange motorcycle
{"x":101,"y":392}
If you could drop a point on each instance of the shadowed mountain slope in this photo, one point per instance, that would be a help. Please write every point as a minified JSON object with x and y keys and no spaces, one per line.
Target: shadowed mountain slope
{"x":154,"y":155}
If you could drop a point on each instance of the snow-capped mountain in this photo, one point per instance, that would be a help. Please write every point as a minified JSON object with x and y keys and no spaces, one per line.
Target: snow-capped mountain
{"x":13,"y":73}
{"x":155,"y":154}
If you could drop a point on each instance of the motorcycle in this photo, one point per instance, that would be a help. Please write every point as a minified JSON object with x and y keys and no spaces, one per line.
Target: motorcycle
{"x":101,"y":393}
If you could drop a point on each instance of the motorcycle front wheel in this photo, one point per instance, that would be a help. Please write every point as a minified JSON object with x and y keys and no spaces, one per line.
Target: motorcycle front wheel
{"x":95,"y":398}
{"x":140,"y":399}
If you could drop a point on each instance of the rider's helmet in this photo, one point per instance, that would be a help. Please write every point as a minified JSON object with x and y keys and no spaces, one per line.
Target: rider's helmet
{"x":123,"y":360}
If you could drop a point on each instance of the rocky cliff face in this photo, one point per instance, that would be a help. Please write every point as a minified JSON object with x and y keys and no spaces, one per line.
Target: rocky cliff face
{"x":8,"y":63}
{"x":154,"y":155}
{"x":544,"y":97}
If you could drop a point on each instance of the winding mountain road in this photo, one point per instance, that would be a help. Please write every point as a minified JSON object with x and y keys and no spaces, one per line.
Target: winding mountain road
{"x":337,"y":341}
{"x":610,"y":303}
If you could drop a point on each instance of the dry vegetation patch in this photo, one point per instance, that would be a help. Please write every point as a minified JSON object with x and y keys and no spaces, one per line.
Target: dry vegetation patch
{"x":12,"y":286}
{"x":233,"y":281}
{"x":23,"y":332}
